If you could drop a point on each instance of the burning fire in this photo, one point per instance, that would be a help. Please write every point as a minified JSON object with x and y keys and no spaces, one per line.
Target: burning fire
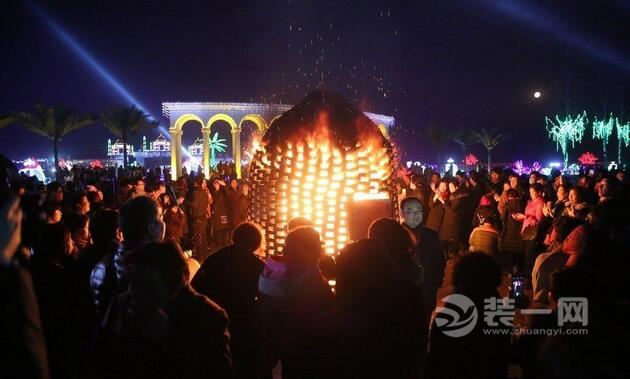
{"x":313,"y":175}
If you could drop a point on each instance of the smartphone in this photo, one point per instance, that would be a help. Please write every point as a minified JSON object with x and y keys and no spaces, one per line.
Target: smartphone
{"x":518,"y":282}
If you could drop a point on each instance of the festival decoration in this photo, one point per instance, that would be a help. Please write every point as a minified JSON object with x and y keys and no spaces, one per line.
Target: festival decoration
{"x":471,"y":160}
{"x":603,"y":130}
{"x":565,"y":131}
{"x":587,"y":159}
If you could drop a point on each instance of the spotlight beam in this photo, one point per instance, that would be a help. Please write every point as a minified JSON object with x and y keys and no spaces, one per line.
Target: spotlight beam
{"x":88,"y":58}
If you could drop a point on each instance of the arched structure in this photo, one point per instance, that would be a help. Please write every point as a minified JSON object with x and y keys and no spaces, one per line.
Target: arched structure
{"x":235,"y":114}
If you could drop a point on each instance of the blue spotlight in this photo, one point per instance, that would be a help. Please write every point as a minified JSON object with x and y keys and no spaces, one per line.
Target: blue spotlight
{"x":72,"y":43}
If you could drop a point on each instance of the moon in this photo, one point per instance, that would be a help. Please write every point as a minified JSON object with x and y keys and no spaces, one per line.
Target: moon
{"x":537,"y":94}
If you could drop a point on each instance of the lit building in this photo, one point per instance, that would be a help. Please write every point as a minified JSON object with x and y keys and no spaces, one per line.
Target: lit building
{"x":196,"y":149}
{"x":117,"y":148}
{"x":160,"y":144}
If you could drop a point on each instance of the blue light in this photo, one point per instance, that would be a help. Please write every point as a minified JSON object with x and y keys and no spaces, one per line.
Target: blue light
{"x":72,"y":43}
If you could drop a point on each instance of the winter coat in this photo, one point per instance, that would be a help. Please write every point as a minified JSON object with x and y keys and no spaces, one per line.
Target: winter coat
{"x":187,"y":339}
{"x":510,"y":239}
{"x":295,"y":302}
{"x":221,"y":219}
{"x":430,"y":256}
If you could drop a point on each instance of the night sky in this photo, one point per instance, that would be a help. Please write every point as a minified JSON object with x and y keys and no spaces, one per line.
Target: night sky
{"x":451,"y":64}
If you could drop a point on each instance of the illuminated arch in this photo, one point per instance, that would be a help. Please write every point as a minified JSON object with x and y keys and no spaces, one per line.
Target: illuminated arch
{"x":260,"y":122}
{"x":181,"y":120}
{"x":222,"y":117}
{"x":274,"y":119}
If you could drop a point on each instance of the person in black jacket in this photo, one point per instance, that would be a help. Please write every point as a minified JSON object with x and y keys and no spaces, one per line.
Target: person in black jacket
{"x":200,"y":212}
{"x":230,"y":277}
{"x":160,"y":327}
{"x":428,"y":250}
{"x":22,"y":343}
{"x":221,"y":223}
{"x":140,"y":223}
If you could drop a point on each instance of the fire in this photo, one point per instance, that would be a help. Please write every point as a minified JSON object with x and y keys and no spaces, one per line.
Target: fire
{"x":312,"y":176}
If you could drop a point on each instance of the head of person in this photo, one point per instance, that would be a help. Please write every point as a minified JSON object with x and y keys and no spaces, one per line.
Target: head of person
{"x":161,"y":189}
{"x":297,"y":222}
{"x":248,"y":237}
{"x":577,"y":240}
{"x":562,"y":192}
{"x":568,"y":282}
{"x":55,"y":192}
{"x":412,"y":211}
{"x":443,"y":186}
{"x":234,"y":184}
{"x":535,"y":191}
{"x":486,"y":215}
{"x":105,"y":227}
{"x":453,"y":185}
{"x":477,"y":276}
{"x":533,"y":177}
{"x":576,"y":195}
{"x":80,"y":203}
{"x":364,"y":270}
{"x":53,"y":212}
{"x":513,"y":181}
{"x":435,"y":177}
{"x":94,"y":197}
{"x":157,"y":272}
{"x":245,"y":189}
{"x":607,"y":187}
{"x":621,"y":176}
{"x":54,"y":243}
{"x":164,"y":200}
{"x":495,"y":174}
{"x":563,"y":226}
{"x":303,"y":246}
{"x":200,"y":181}
{"x":461,"y":177}
{"x":394,"y":237}
{"x":139,"y":185}
{"x":512,"y":194}
{"x":141,"y":221}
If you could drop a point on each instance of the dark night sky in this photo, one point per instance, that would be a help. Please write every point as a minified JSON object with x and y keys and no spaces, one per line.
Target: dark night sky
{"x":442,"y":63}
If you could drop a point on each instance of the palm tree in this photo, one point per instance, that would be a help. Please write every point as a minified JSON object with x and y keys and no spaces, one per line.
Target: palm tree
{"x":216,"y":144}
{"x":438,"y":137}
{"x":52,"y":122}
{"x":489,"y":139}
{"x":125,"y":122}
{"x":464,"y":138}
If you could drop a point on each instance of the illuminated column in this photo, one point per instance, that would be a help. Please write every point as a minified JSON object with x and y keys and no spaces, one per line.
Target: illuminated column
{"x":176,"y":153}
{"x":206,"y":151}
{"x":236,"y":150}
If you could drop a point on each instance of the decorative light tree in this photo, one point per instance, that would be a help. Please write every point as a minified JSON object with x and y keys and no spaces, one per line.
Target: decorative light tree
{"x":587,"y":159}
{"x":519,"y":168}
{"x":563,"y":131}
{"x":216,"y":144}
{"x":471,"y":160}
{"x":603,"y":130}
{"x":623,"y":135}
{"x":536,"y":166}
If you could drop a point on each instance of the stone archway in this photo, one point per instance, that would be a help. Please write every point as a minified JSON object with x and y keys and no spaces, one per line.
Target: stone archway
{"x":176,"y":142}
{"x":236,"y":142}
{"x":179,"y":113}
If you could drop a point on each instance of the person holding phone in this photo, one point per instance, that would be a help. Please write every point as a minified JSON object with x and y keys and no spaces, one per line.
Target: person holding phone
{"x":531,"y":219}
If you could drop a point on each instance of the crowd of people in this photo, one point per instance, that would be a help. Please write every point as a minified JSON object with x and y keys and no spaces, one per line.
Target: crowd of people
{"x":146,"y":277}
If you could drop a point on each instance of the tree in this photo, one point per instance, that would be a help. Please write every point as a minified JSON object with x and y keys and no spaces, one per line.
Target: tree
{"x":52,"y":122}
{"x":569,"y":129}
{"x":489,"y":139}
{"x":125,"y":122}
{"x":464,"y":138}
{"x":438,"y":137}
{"x":216,"y":144}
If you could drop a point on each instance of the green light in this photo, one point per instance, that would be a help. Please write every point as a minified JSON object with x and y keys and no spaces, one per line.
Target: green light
{"x":623,"y":135}
{"x":216,"y":144}
{"x":603,"y":130}
{"x":567,"y":130}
